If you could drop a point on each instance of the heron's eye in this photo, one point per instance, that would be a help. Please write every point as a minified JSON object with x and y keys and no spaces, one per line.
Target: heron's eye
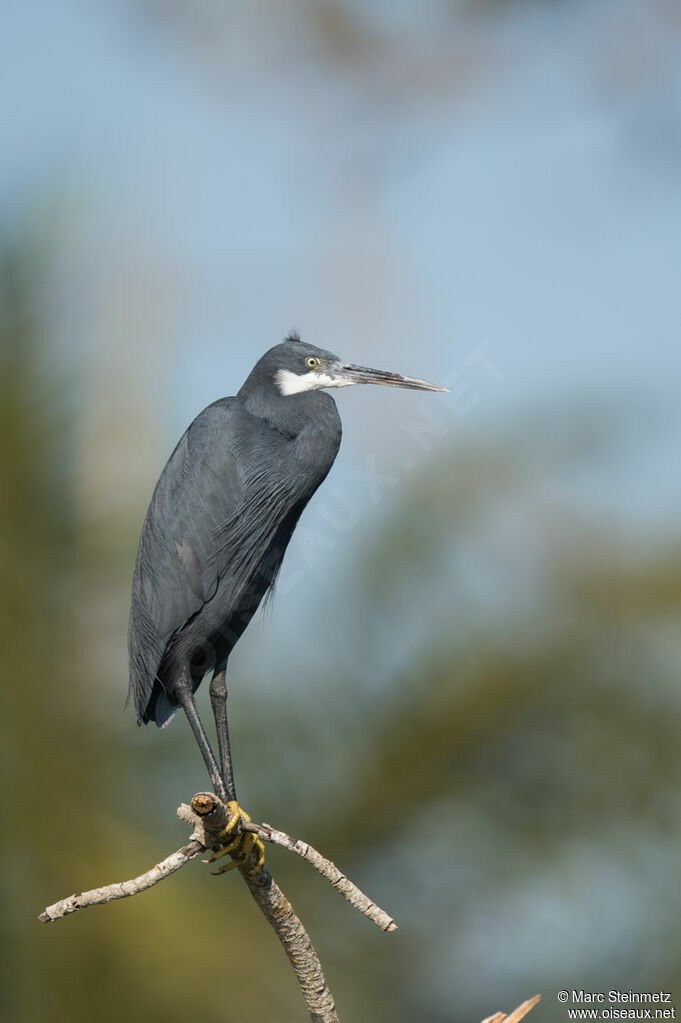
{"x":312,"y":362}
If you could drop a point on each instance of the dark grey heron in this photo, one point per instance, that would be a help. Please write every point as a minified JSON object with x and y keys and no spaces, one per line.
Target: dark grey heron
{"x":218,"y":525}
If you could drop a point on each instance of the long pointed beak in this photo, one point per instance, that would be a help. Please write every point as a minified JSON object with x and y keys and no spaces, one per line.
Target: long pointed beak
{"x":346,"y":373}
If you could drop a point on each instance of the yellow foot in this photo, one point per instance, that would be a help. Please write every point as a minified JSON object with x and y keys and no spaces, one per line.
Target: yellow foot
{"x":239,"y":844}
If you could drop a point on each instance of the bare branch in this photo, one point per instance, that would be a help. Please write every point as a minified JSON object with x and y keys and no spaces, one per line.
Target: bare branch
{"x":516,"y":1015}
{"x":328,"y":870}
{"x":297,"y":945}
{"x":209,"y":817}
{"x":123,"y":889}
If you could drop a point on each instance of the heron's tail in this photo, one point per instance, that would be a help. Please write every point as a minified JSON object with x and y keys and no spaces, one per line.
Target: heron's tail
{"x":160,"y":708}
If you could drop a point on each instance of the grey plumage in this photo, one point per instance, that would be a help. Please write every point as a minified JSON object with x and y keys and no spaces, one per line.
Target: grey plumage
{"x":218,"y":526}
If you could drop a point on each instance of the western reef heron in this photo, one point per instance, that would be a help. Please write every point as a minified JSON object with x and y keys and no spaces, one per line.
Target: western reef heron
{"x":218,"y":525}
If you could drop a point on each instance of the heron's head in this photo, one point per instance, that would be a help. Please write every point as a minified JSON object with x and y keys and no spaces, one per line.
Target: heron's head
{"x":301,"y":367}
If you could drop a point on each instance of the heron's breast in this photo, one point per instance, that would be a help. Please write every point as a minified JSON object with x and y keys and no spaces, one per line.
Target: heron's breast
{"x":317,"y":444}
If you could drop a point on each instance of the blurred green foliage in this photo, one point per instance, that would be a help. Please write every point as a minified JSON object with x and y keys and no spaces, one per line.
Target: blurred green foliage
{"x":492,"y":752}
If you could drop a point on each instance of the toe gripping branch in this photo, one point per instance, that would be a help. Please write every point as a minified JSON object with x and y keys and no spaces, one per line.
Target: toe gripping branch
{"x":245,"y":848}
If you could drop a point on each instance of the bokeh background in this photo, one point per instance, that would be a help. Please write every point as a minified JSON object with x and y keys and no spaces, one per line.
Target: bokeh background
{"x":466,"y":691}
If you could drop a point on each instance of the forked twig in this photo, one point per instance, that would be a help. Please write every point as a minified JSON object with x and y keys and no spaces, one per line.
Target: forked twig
{"x":209,"y":816}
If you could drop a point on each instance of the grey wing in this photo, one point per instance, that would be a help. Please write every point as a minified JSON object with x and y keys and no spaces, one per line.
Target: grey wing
{"x":178,"y":563}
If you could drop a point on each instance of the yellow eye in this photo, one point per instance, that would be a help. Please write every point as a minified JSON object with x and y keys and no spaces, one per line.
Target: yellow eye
{"x":312,"y":362}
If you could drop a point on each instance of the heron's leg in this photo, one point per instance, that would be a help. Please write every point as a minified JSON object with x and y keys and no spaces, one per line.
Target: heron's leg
{"x":218,"y":701}
{"x":240,"y":846}
{"x":185,"y":696}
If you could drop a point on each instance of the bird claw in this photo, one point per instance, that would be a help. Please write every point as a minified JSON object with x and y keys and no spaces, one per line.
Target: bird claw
{"x":238,"y":844}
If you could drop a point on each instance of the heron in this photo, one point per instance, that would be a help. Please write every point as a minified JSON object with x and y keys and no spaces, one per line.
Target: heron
{"x":217,"y":528}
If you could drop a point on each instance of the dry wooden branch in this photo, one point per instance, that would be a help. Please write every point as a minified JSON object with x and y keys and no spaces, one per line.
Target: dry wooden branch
{"x":516,"y":1015}
{"x":297,"y":945}
{"x":209,"y":816}
{"x":328,"y":870}
{"x":123,"y":889}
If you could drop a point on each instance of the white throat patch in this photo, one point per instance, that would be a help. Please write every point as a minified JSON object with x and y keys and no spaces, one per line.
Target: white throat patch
{"x":294,"y":383}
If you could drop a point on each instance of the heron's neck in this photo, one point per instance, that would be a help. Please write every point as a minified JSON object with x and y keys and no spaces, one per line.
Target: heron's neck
{"x":287,"y":413}
{"x":310,"y":419}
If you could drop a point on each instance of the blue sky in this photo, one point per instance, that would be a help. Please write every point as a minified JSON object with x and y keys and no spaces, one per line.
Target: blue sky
{"x":513,"y":181}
